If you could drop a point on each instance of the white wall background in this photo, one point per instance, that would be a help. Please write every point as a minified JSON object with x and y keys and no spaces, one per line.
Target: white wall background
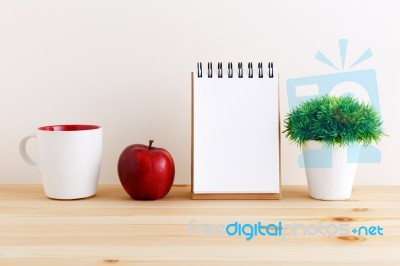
{"x":126,"y":66}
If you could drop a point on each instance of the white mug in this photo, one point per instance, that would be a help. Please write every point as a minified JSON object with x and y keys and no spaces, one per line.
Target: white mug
{"x":69,"y":159}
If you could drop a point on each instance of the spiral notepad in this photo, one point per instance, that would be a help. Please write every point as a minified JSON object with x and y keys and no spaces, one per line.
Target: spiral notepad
{"x":235,"y":132}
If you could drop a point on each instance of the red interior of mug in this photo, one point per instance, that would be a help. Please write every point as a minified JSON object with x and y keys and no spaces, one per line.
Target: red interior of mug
{"x":68,"y":127}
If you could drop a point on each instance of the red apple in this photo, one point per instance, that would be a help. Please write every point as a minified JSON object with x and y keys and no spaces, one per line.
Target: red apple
{"x":146,"y":172}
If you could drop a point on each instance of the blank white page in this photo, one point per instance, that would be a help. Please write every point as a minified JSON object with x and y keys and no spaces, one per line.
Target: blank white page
{"x":235,"y":134}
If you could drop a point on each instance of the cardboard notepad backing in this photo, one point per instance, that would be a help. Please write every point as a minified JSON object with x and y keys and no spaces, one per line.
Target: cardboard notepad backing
{"x":235,"y":133}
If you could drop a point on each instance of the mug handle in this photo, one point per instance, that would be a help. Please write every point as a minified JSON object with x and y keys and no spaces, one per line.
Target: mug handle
{"x":24,"y":154}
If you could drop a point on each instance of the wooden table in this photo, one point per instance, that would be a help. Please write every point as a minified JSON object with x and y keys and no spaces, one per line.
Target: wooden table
{"x":112,"y":229}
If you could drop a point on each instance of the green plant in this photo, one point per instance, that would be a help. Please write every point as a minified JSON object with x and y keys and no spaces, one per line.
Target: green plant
{"x":334,"y":120}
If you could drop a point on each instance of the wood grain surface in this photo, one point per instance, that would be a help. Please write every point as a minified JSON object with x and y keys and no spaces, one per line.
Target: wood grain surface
{"x":112,"y":229}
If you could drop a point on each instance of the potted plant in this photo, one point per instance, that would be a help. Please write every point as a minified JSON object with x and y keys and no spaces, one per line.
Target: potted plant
{"x":338,"y":124}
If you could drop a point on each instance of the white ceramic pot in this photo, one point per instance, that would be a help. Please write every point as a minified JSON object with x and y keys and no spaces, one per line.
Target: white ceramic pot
{"x":329,"y":174}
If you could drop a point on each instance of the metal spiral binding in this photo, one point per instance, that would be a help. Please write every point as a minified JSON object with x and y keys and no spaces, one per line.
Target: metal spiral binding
{"x":220,"y":70}
{"x":230,"y":70}
{"x":199,"y":70}
{"x":240,"y":70}
{"x":260,"y":70}
{"x":250,"y":66}
{"x":210,"y":69}
{"x":270,"y":69}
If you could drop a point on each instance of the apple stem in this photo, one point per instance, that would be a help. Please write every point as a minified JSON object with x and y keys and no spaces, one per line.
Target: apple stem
{"x":150,"y":143}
